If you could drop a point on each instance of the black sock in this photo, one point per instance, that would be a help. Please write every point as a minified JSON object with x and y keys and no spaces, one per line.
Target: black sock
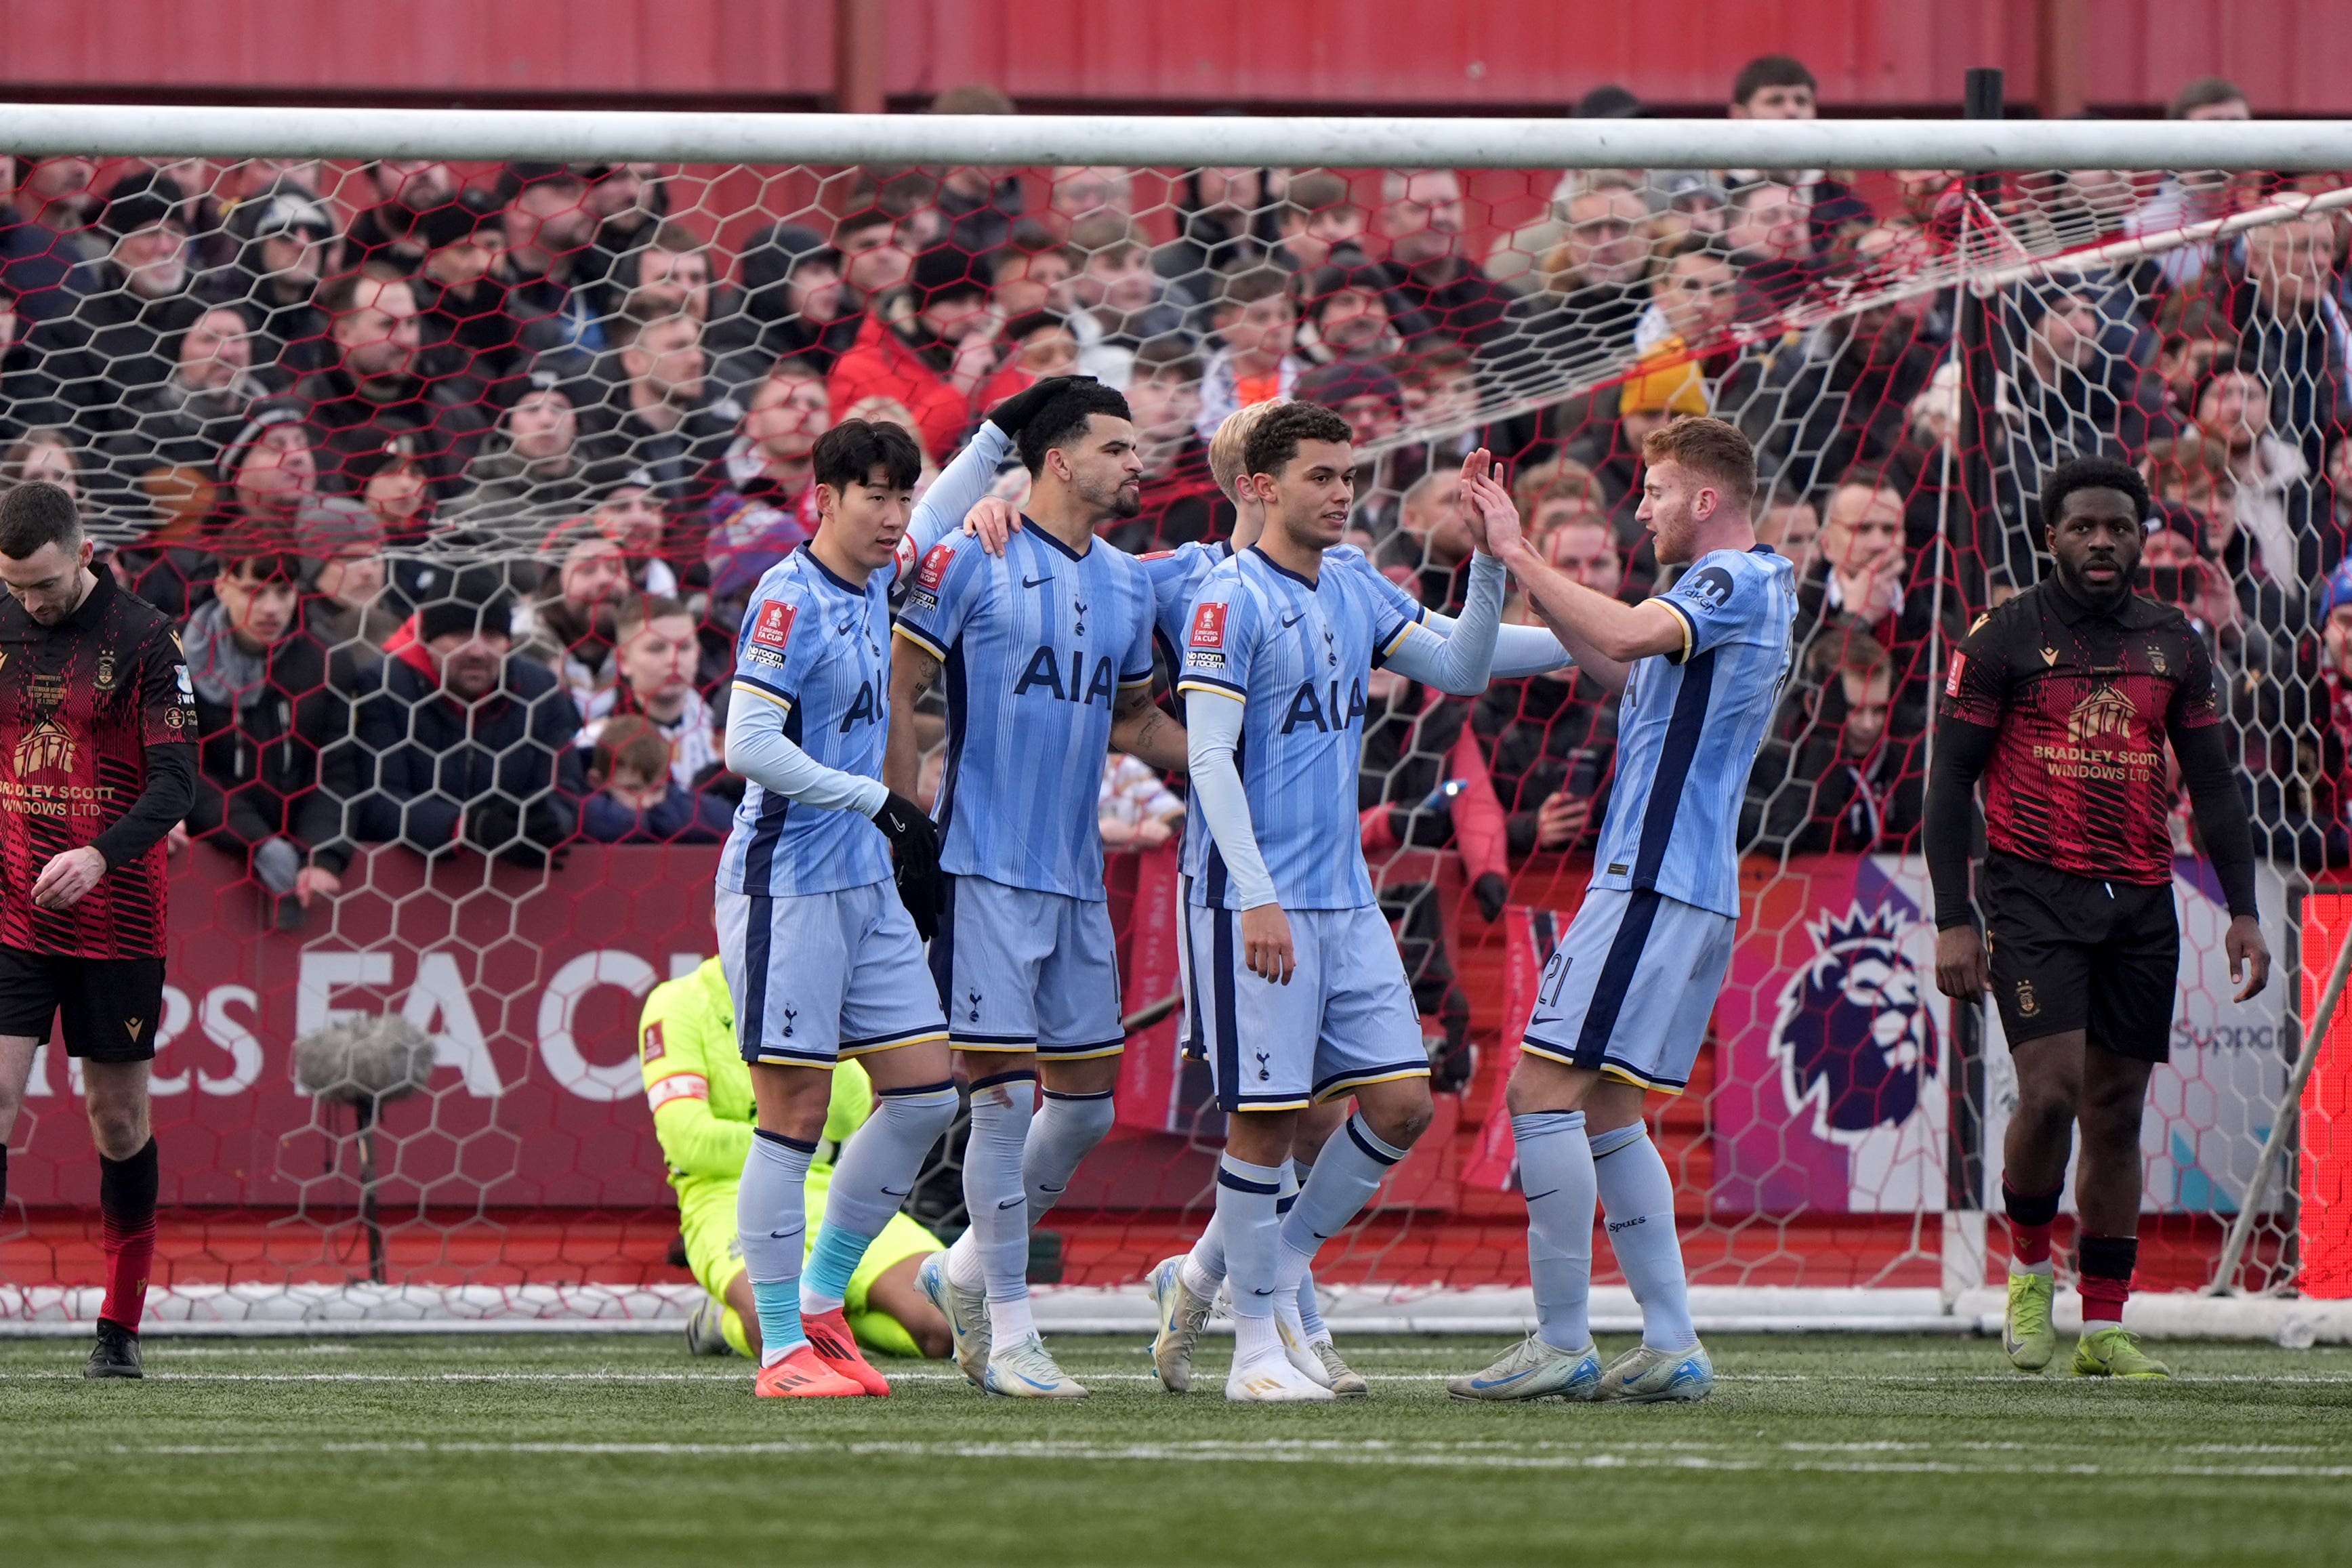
{"x":127,"y":1188}
{"x":2105,"y":1257}
{"x":2039,"y":1209}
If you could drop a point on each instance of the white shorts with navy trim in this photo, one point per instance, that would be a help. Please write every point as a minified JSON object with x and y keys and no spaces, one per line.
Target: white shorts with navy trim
{"x":824,"y":975}
{"x":1629,"y":990}
{"x":1345,"y":1020}
{"x":1021,"y":970}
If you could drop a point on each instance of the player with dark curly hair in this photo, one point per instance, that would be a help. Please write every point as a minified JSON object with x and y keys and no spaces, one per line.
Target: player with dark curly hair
{"x":2062,"y":701}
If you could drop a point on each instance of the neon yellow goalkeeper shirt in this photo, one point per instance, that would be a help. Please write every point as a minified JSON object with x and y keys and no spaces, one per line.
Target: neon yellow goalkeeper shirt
{"x":700,"y":1087}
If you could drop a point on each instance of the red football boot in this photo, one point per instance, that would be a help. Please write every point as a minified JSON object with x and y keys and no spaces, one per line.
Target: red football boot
{"x":829,"y":1336}
{"x":802,"y":1375}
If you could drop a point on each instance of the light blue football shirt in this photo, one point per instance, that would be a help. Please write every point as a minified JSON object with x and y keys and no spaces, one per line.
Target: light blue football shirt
{"x":1298,"y":655}
{"x":1688,"y":728}
{"x":1035,"y":646}
{"x":818,"y":646}
{"x":1178,"y":575}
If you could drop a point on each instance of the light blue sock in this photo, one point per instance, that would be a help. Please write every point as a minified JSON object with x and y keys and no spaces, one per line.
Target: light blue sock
{"x":1563,"y":1294}
{"x":1246,"y":1200}
{"x":1310,"y":1312}
{"x":875,"y":1173}
{"x":771,"y":1219}
{"x":1638,"y":1197}
{"x":1556,"y":1174}
{"x":994,"y":1197}
{"x":1066,"y":1129}
{"x":1346,"y":1174}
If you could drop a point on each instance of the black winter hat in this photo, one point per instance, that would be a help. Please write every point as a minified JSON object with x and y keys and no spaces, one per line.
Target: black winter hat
{"x":140,"y":201}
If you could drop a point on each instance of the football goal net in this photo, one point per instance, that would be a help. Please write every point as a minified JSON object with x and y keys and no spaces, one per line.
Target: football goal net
{"x":564,"y":369}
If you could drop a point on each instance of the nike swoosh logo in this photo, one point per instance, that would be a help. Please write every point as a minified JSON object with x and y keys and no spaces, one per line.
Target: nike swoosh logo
{"x":895,"y":1193}
{"x":1320,"y":1235}
{"x":1257,"y":1292}
{"x":1032,"y":583}
{"x":1500,"y":1382}
{"x":1538,"y":1197}
{"x":1294,"y":620}
{"x":781,"y":1235}
{"x":1043,"y":1188}
{"x":1011,"y":1202}
{"x":1031,"y":1380}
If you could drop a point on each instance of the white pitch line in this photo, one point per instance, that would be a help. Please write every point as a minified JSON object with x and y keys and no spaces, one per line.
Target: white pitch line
{"x":1893,"y":1380}
{"x":1372,"y":1453}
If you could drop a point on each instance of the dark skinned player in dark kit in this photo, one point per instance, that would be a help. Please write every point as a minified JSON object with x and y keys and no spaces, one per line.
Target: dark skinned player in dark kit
{"x":2062,"y":701}
{"x":98,"y":729}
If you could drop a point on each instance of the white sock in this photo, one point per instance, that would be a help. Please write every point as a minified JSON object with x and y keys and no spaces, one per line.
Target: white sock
{"x":1246,"y":1199}
{"x":1010,"y":1322}
{"x":1638,"y":1197}
{"x":1204,"y":1267}
{"x":964,"y":1271}
{"x":995,"y":1203}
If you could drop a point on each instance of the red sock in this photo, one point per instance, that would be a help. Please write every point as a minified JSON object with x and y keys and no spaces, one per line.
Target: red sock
{"x":2031,"y":1217}
{"x":2103,"y":1267}
{"x":126,"y":1204}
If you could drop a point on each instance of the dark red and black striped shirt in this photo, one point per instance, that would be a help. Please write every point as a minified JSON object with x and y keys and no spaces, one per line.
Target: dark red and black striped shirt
{"x":81,"y":704}
{"x":2085,"y":701}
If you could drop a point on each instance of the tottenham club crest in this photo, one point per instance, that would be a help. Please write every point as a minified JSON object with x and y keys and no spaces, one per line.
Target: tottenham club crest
{"x":1855,"y":1036}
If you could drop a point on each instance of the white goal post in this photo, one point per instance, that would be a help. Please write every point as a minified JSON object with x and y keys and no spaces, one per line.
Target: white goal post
{"x":1370,"y":142}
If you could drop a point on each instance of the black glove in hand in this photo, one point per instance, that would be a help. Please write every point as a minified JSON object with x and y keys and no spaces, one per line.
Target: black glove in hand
{"x":1493,"y":892}
{"x":1020,"y":409}
{"x":915,"y":852}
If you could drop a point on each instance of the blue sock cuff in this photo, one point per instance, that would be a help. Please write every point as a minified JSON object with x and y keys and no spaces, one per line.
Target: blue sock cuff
{"x":1617,"y":1138}
{"x":918,"y":1091}
{"x":1363,"y":1138}
{"x":1243,"y":1177}
{"x":787,"y":1142}
{"x":834,"y":1260}
{"x":1534,"y":1124}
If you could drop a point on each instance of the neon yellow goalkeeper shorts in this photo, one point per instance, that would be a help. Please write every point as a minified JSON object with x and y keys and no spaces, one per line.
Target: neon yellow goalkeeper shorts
{"x":715,"y":1253}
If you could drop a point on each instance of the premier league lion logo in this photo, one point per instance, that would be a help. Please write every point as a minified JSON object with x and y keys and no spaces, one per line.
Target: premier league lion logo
{"x":1855,"y":1038}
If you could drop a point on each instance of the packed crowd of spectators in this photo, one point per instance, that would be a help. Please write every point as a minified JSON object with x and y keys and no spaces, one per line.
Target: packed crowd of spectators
{"x":462,"y":484}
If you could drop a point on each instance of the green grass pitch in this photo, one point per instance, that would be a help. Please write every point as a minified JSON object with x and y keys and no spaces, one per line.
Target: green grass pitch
{"x":577,"y":1450}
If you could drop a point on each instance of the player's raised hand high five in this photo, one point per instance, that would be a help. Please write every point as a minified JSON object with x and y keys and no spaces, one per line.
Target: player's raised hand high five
{"x":1497,"y":530}
{"x":1466,"y":510}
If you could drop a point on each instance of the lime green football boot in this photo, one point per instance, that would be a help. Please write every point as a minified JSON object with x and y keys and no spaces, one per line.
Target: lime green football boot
{"x":2025,"y":1332}
{"x":2114,"y":1352}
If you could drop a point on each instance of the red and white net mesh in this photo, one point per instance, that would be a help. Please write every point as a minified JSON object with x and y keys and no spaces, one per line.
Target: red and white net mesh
{"x":560,"y":390}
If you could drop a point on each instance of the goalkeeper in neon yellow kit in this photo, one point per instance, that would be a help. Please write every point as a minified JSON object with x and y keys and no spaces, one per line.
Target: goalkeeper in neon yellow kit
{"x":701,"y":1091}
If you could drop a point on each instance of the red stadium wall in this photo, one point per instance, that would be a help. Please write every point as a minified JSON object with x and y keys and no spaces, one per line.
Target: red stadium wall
{"x":531,"y":1156}
{"x":1887,"y":56}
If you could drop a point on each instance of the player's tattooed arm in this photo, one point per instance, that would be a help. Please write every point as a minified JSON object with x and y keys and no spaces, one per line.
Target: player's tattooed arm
{"x":1142,"y":730}
{"x":912,"y":671}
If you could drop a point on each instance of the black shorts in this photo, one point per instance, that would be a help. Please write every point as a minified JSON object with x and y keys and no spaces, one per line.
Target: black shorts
{"x":2075,"y":953}
{"x":110,"y":1006}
